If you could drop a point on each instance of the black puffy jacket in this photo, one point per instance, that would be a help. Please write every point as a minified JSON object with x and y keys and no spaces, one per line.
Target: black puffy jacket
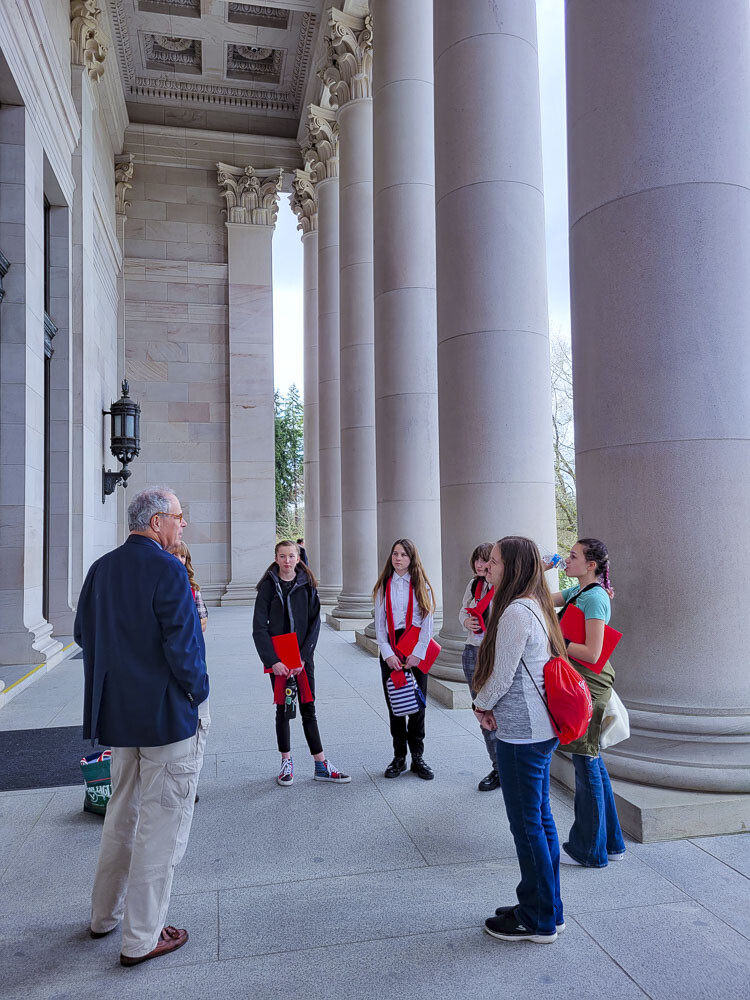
{"x":273,"y":616}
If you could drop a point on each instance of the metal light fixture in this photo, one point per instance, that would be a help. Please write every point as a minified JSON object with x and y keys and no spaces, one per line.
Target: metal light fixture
{"x":125,"y":439}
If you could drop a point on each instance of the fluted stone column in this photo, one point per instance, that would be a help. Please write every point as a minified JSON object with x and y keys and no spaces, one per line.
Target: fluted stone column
{"x":349,"y":78}
{"x":496,"y":463}
{"x":304,"y":203}
{"x":252,"y":205}
{"x":659,"y":154}
{"x":408,"y":477}
{"x":321,"y":154}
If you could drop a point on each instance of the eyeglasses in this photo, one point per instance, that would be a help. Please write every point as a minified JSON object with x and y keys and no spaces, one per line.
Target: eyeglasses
{"x":177,"y":517}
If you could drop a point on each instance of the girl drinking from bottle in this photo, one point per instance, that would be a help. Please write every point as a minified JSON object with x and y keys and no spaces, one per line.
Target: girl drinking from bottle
{"x":288,"y":602}
{"x":403,"y":598}
{"x":473,"y":617}
{"x":595,"y":838}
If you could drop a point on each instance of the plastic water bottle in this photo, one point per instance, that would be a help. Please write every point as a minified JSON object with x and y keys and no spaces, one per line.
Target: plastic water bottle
{"x":555,"y":561}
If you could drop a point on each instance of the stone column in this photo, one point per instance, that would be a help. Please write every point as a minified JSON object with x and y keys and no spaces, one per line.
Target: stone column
{"x":321,"y":154}
{"x":496,"y":462}
{"x":304,"y":202}
{"x":25,"y":635}
{"x":349,"y":78}
{"x":659,"y":154}
{"x":406,"y":418}
{"x":252,"y":198}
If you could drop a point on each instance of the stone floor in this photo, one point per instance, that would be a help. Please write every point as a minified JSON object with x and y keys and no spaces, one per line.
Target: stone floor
{"x":378,"y":887}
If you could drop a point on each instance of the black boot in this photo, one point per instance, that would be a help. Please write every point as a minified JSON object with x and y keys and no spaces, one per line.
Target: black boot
{"x":397,"y":766}
{"x":421,"y":769}
{"x":490,"y":782}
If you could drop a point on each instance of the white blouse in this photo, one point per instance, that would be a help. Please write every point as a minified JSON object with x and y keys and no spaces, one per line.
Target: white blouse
{"x":399,"y":606}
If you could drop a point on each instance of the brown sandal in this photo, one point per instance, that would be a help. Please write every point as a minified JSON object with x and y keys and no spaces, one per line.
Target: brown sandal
{"x":170,"y":939}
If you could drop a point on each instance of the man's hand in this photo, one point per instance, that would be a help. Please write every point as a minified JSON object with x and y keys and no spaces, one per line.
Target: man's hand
{"x":394,"y":663}
{"x":412,"y":661}
{"x":280,"y":670}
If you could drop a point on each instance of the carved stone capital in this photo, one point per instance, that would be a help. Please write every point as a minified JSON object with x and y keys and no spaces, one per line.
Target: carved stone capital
{"x":124,"y":166}
{"x":252,"y":196}
{"x":320,"y":149}
{"x":88,"y":42}
{"x":304,"y":200}
{"x":348,"y":68}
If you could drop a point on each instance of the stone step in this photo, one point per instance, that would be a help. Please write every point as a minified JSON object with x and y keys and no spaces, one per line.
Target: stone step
{"x":23,"y":678}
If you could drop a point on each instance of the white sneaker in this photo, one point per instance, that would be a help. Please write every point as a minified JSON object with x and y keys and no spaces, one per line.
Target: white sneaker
{"x":565,"y":859}
{"x":616,"y":857}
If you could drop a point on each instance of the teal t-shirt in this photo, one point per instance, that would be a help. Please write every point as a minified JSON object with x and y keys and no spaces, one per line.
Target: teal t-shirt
{"x":594,"y":603}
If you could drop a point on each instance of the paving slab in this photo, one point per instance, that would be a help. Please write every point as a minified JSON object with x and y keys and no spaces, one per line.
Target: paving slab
{"x":733,"y":850}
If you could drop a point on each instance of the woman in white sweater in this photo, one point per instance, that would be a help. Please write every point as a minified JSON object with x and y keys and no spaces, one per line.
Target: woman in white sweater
{"x":522,"y":634}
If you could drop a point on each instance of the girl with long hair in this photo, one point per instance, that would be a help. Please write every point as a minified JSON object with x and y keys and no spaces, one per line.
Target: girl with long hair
{"x":403,"y":597}
{"x":287,"y":601}
{"x":522,"y":634}
{"x":182,"y":552}
{"x":478,"y":594}
{"x":595,"y":838}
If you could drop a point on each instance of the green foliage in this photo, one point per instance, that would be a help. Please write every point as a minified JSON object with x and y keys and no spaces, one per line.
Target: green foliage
{"x":290,"y":490}
{"x":564,"y":445}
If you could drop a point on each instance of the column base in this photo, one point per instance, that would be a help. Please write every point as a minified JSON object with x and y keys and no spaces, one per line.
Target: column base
{"x":346,"y":624}
{"x":452,"y":694}
{"x":649,"y":814}
{"x":239,"y":594}
{"x":448,"y":666}
{"x":28,"y":645}
{"x":367,"y":642}
{"x":329,"y":595}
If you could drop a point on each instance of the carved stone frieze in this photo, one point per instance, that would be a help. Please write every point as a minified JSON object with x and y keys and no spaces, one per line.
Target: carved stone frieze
{"x":124,"y":167}
{"x":252,"y":196}
{"x":88,"y":42}
{"x":304,"y":200}
{"x":320,"y":149}
{"x":348,"y":67}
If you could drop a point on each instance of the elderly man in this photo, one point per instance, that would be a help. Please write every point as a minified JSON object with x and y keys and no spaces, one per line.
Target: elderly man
{"x":145,"y":678}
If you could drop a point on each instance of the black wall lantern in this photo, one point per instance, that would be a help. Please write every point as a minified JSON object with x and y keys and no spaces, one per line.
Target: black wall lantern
{"x":125,"y":439}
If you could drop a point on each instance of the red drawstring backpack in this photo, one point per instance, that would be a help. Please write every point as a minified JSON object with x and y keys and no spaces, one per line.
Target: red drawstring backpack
{"x":568,"y":700}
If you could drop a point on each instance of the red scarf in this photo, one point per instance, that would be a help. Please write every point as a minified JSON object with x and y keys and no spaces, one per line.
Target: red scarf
{"x":389,"y":613}
{"x":279,"y":688}
{"x":481,"y":606}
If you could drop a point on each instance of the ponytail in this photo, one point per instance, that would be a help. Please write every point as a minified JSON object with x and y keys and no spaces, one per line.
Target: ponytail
{"x":286,"y":543}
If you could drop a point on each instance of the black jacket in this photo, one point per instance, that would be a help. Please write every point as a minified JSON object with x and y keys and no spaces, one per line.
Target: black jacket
{"x":301,"y":615}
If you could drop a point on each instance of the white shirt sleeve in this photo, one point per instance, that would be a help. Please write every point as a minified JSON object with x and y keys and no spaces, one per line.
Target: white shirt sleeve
{"x":513,"y":631}
{"x":466,"y":602}
{"x":381,"y":627}
{"x":425,"y":635}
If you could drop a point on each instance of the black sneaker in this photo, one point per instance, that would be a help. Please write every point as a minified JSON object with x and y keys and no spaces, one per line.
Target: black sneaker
{"x":421,"y":768}
{"x":508,"y":928}
{"x":490,"y":782}
{"x":397,"y":766}
{"x":502,"y":910}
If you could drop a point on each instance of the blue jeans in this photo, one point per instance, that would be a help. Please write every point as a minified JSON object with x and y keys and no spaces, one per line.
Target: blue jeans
{"x":524,"y":779}
{"x":596,"y":830}
{"x":469,"y":663}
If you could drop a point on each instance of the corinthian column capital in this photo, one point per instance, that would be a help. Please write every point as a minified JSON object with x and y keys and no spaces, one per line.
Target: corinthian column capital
{"x":348,"y":69}
{"x":320,"y":149}
{"x":124,"y":166}
{"x":304,"y":200}
{"x":252,"y":196}
{"x":88,"y":42}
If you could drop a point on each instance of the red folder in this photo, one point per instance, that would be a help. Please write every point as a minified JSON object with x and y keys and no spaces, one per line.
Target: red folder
{"x":573,"y":626}
{"x":287,"y":649}
{"x":407,"y":642}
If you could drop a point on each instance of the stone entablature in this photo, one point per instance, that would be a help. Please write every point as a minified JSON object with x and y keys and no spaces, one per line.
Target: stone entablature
{"x":252,"y":196}
{"x":88,"y":42}
{"x":348,"y":69}
{"x":320,"y":149}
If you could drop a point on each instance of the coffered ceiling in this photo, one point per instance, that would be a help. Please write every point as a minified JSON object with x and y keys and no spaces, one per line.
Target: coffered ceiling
{"x":219,"y":65}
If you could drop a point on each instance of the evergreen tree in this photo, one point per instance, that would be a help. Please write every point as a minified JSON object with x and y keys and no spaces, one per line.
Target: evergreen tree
{"x":288,"y":413}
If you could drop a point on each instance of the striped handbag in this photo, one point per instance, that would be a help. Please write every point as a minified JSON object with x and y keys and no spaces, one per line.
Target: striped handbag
{"x":405,"y":700}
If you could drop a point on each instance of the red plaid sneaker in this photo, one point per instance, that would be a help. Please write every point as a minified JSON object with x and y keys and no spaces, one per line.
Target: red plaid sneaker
{"x":286,"y":774}
{"x":325,"y":771}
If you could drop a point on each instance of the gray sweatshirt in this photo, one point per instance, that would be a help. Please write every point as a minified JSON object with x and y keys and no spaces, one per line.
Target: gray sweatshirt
{"x":519,"y":711}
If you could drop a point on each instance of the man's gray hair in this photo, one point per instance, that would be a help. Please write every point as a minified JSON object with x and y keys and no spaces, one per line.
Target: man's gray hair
{"x":145,"y":504}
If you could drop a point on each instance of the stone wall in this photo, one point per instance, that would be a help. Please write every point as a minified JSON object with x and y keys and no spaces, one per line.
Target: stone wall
{"x":175,"y":351}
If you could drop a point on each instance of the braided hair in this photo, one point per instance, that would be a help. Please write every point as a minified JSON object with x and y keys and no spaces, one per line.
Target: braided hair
{"x":596,"y":551}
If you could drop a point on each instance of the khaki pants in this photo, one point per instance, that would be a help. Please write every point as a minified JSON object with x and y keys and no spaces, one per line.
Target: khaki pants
{"x":145,"y":834}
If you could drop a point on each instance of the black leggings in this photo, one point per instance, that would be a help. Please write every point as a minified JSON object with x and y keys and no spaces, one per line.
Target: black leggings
{"x":307,"y":713}
{"x":406,"y":730}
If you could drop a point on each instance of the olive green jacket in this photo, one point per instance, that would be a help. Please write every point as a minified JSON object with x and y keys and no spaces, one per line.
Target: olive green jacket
{"x":600,"y":686}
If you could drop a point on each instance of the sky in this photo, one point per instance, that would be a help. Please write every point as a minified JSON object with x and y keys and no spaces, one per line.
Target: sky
{"x":287,"y":242}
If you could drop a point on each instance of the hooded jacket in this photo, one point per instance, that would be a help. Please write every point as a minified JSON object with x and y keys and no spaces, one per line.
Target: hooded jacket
{"x":300,"y":613}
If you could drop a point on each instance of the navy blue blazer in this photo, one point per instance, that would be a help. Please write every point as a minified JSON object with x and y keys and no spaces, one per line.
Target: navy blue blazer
{"x":144,"y":659}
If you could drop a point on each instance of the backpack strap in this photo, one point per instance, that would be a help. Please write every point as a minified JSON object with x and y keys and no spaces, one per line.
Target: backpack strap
{"x":574,"y":598}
